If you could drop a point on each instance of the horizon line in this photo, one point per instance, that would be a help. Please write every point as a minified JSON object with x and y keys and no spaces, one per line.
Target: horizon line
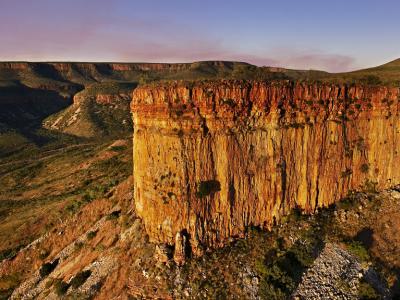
{"x":187,"y":63}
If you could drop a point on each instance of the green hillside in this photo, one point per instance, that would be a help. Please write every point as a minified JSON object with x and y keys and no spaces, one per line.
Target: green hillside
{"x":388,"y":74}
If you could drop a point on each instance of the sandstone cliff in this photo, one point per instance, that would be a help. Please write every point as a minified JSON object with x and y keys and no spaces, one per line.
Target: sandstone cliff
{"x":212,"y":158}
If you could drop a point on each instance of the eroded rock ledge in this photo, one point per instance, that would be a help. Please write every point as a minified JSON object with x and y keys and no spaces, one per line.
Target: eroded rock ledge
{"x":212,"y":158}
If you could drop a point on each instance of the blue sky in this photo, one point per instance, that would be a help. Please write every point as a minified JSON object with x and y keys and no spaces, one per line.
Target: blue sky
{"x":331,"y":35}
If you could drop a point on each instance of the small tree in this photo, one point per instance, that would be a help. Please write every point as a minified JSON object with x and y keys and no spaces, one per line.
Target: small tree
{"x":80,"y":278}
{"x":47,"y":268}
{"x":60,"y":287}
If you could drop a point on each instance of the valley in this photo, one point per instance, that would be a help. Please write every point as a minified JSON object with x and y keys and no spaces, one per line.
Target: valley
{"x":247,"y":164}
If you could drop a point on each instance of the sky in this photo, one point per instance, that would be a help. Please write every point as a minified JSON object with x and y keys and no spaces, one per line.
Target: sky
{"x":335,"y":35}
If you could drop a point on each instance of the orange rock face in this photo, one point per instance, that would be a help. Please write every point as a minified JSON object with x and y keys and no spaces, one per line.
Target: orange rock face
{"x":103,"y":99}
{"x":212,"y":158}
{"x":14,"y":65}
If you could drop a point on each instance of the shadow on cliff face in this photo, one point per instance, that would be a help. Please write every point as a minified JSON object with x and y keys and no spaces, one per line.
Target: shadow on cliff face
{"x":207,"y":188}
{"x":188,"y":248}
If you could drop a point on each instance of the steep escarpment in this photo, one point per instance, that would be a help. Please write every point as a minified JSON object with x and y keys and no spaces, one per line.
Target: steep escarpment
{"x":213,"y":158}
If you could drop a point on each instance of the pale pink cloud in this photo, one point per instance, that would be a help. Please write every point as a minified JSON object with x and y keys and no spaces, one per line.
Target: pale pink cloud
{"x":320,"y":61}
{"x":98,"y":39}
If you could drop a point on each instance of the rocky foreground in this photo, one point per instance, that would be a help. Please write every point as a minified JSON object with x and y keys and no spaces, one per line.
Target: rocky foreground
{"x":347,"y":252}
{"x":336,"y":274}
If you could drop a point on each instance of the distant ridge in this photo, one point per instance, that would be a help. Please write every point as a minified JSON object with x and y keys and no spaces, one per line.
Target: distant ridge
{"x":393,"y":63}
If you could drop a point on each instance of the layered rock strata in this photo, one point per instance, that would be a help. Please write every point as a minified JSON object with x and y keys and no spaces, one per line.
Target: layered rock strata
{"x":213,"y":158}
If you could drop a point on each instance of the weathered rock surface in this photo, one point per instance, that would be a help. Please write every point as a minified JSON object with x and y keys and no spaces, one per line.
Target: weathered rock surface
{"x":212,"y":158}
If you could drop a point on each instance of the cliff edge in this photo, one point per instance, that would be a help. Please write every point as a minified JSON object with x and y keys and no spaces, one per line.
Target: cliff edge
{"x":212,"y":158}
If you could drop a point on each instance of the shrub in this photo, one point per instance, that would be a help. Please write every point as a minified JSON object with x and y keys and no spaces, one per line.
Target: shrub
{"x":49,"y":283}
{"x":8,"y":283}
{"x":229,"y":102}
{"x":100,"y":247}
{"x":43,"y":254}
{"x":60,"y":287}
{"x":90,"y":235}
{"x":350,"y":112}
{"x":75,"y":205}
{"x":367,"y":292}
{"x":8,"y":253}
{"x":364,"y":168}
{"x":358,"y":249}
{"x":370,"y":187}
{"x":346,"y":173}
{"x":179,"y":112}
{"x":47,"y":268}
{"x":296,"y":125}
{"x":208,"y":187}
{"x":371,"y":79}
{"x":346,"y":203}
{"x":296,"y":214}
{"x":88,"y":197}
{"x":180,"y":133}
{"x":80,"y":278}
{"x":281,"y":270}
{"x":114,"y":215}
{"x":309,"y":102}
{"x":280,"y":278}
{"x":118,"y":148}
{"x":78,"y":246}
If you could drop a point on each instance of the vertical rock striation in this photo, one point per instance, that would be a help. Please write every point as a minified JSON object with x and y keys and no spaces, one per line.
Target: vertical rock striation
{"x":212,"y":158}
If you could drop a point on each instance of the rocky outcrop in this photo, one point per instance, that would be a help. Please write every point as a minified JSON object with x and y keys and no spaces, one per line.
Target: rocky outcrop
{"x":336,"y":274}
{"x":212,"y":158}
{"x":94,"y":115}
{"x":102,"y":99}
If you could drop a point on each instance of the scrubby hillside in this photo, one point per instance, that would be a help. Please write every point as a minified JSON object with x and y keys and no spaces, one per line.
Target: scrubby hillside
{"x":101,"y":251}
{"x":101,"y":109}
{"x":388,"y":73}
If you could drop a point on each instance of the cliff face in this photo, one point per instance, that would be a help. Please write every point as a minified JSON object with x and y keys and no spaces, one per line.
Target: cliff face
{"x":38,"y":73}
{"x":212,"y":158}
